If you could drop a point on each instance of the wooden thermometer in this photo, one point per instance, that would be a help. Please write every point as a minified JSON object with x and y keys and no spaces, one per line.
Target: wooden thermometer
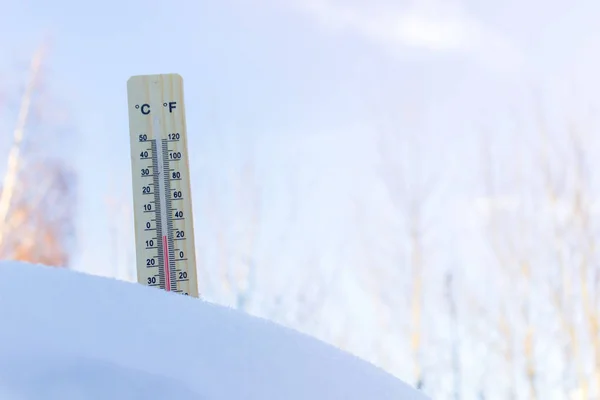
{"x":162,"y":199}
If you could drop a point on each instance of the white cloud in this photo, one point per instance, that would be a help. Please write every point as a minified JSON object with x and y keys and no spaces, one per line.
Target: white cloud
{"x":435,"y":27}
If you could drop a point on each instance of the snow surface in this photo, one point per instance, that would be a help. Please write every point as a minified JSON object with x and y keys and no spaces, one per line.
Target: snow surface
{"x":67,"y":335}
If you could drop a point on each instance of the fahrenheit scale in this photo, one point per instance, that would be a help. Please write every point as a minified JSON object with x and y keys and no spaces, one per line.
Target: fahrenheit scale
{"x":164,"y":229}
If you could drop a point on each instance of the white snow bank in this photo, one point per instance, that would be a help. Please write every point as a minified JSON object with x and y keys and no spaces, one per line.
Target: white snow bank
{"x":66,"y":335}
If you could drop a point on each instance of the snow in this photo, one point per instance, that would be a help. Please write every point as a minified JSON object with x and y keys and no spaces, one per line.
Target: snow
{"x":67,"y":335}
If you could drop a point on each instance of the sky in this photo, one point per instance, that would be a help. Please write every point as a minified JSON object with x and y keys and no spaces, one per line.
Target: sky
{"x":303,"y":86}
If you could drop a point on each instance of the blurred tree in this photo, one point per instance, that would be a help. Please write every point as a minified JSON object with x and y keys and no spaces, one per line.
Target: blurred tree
{"x":38,"y":195}
{"x":410,"y":186}
{"x":541,"y":227}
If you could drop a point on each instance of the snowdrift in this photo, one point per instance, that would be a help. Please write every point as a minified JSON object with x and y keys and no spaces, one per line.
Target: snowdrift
{"x":66,"y":335}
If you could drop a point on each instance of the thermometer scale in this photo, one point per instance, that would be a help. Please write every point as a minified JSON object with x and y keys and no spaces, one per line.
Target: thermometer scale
{"x":162,"y":201}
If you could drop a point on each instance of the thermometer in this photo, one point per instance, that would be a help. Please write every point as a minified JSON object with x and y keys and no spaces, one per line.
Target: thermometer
{"x":162,"y":200}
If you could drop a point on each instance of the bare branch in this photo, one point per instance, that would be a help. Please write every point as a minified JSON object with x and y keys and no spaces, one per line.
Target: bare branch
{"x":12,"y":170}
